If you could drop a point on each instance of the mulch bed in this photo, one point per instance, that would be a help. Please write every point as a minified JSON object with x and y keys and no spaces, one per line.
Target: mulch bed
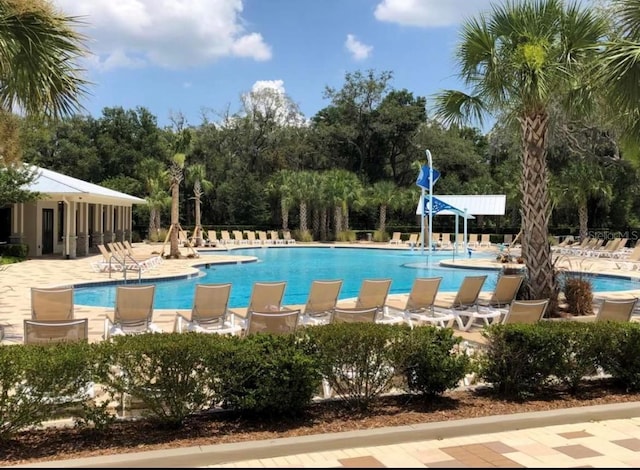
{"x":323,"y":417}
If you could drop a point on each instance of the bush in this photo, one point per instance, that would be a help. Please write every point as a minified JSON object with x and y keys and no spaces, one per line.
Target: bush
{"x":267,"y":375}
{"x":519,"y":359}
{"x":619,"y":352}
{"x":431,"y":360}
{"x":159,"y":236}
{"x":380,"y":236}
{"x":578,"y":347}
{"x":15,"y":250}
{"x":169,"y":373}
{"x":303,"y":235}
{"x":346,"y":236}
{"x":579,"y":294}
{"x":357,"y":359}
{"x":36,"y":381}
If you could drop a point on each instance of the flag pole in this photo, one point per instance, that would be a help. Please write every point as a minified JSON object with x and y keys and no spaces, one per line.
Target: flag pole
{"x":422,"y":223}
{"x":430,"y":203}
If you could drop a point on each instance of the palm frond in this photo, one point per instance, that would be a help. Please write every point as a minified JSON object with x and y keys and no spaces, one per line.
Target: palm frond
{"x":38,"y":53}
{"x":454,"y":107}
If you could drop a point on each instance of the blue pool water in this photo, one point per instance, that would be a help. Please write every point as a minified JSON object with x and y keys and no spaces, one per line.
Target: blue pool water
{"x":300,"y":266}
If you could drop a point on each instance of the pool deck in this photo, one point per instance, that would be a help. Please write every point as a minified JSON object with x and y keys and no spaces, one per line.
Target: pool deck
{"x":17,"y":279}
{"x":606,"y":436}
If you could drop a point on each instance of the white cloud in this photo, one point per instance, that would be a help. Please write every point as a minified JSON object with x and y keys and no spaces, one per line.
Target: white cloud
{"x":276,"y":85}
{"x":434,"y":13}
{"x":165,"y":33}
{"x":359,"y":51}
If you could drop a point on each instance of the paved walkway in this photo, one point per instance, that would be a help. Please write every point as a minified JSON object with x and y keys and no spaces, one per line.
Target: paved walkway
{"x":605,"y":436}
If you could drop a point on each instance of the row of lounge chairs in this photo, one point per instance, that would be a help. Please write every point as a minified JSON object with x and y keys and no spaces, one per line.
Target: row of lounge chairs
{"x":448,"y":240}
{"x":595,"y":247}
{"x":248,"y":237}
{"x":121,"y":256}
{"x":53,"y":318}
{"x":615,"y":250}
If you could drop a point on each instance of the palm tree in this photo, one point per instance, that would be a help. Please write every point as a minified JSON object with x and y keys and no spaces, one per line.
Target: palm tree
{"x":384,"y":194}
{"x":621,"y":68}
{"x":157,"y":200}
{"x":38,"y":52}
{"x":321,"y":206}
{"x":302,"y":189}
{"x":575,"y":191}
{"x":519,"y":59}
{"x":176,"y":175}
{"x":155,"y":178}
{"x":280,"y":185}
{"x":197,"y":177}
{"x":39,"y":75}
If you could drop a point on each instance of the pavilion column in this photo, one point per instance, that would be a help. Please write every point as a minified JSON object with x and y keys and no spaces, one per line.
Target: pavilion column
{"x":126,"y":223}
{"x":17,"y":224}
{"x":70,"y":237}
{"x":108,"y":224}
{"x":98,"y":226}
{"x":83,"y":229}
{"x":118,"y":224}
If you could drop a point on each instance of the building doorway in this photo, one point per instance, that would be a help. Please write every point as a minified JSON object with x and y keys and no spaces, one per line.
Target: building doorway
{"x":47,"y":231}
{"x":5,"y":224}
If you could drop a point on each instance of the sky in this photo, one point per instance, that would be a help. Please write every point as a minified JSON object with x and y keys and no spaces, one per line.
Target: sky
{"x":198,"y":57}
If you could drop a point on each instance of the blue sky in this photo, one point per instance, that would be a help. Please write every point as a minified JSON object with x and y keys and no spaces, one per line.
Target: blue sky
{"x":195,"y":56}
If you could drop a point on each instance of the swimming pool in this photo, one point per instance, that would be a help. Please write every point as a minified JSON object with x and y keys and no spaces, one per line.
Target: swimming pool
{"x":299,"y":266}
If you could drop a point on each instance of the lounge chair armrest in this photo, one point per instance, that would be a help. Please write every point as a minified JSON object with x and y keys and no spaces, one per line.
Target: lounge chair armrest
{"x":233,"y":318}
{"x":242,"y":315}
{"x":108,"y":323}
{"x":181,"y":319}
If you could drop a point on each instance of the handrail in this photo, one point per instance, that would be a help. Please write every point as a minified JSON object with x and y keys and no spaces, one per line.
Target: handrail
{"x":123,"y":263}
{"x":136,"y":263}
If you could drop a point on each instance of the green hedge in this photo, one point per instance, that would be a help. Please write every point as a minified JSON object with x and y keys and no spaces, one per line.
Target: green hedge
{"x":175,"y":376}
{"x":16,"y":250}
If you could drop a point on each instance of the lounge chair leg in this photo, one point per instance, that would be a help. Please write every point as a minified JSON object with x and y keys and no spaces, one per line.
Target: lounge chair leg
{"x":326,"y":389}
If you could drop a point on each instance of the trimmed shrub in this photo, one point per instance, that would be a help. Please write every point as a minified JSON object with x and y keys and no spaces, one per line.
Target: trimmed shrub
{"x":357,"y":359}
{"x":302,"y":235}
{"x":267,"y":375}
{"x":346,"y":236}
{"x":380,"y":236}
{"x":37,"y":381}
{"x":431,"y":360}
{"x":16,"y":250}
{"x":169,"y":373}
{"x":578,"y":345}
{"x":619,"y":352}
{"x":519,"y":359}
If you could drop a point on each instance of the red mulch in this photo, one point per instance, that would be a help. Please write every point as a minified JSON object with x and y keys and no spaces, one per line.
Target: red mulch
{"x":323,"y":417}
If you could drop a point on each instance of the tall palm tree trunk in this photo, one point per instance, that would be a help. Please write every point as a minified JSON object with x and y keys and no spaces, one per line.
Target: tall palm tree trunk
{"x":158,"y":221}
{"x":197,"y":196}
{"x":536,"y":250}
{"x":337,"y":220}
{"x":303,"y":216}
{"x":174,"y":251}
{"x":383,"y":218}
{"x":152,"y":221}
{"x":583,"y":217}
{"x":284,"y":212}
{"x":315,"y":223}
{"x":324,"y":226}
